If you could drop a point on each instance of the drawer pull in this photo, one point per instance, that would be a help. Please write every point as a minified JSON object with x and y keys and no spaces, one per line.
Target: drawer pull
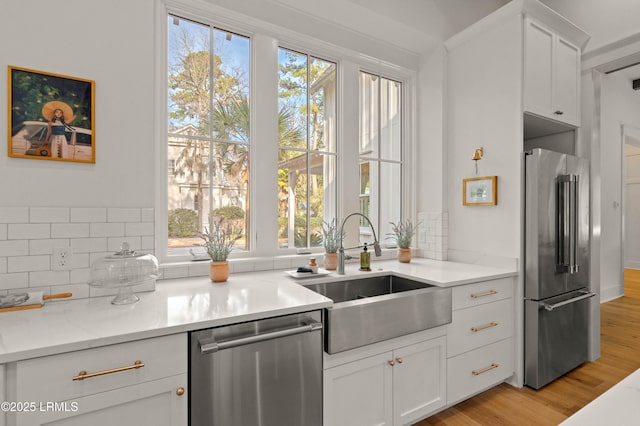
{"x":484,"y":370}
{"x":84,"y":375}
{"x":484,"y":327}
{"x":486,"y":293}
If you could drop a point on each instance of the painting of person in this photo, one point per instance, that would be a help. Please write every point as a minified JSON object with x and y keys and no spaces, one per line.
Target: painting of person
{"x":59,"y":115}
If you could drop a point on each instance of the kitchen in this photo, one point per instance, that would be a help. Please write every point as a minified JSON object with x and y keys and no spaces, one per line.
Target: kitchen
{"x":124,"y":178}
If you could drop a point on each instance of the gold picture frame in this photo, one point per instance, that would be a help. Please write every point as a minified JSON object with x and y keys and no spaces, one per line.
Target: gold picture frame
{"x":51,"y":116}
{"x":480,"y":191}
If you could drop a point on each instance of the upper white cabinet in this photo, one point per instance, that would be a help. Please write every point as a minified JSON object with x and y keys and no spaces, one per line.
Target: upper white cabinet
{"x":551,"y":74}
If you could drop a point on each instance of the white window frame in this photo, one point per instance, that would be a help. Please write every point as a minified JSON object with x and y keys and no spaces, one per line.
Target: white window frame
{"x":266,"y":38}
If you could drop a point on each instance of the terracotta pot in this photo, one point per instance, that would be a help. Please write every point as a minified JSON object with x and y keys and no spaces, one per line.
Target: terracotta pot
{"x":404,"y":255}
{"x":219,"y":271}
{"x":331,"y":261}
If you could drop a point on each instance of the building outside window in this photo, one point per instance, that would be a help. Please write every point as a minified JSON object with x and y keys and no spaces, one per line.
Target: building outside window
{"x":380,"y":152}
{"x":208,"y":131}
{"x":209,"y":141}
{"x":307,"y":189}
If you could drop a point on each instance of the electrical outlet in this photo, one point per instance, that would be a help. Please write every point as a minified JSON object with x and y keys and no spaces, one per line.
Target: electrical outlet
{"x":61,"y":259}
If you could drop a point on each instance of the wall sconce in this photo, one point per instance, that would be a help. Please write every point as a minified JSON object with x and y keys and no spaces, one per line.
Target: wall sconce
{"x":477,"y":155}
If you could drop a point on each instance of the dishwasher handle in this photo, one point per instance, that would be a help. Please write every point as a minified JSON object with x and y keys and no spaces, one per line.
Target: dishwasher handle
{"x":209,"y":345}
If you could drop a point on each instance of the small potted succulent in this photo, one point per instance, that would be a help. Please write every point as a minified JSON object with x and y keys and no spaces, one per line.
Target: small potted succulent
{"x":403,"y":233}
{"x":331,"y":240}
{"x":219,"y":242}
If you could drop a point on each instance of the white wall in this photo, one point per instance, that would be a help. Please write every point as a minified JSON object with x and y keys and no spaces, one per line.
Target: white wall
{"x":113,"y":44}
{"x":620,"y":104}
{"x":484,"y":109}
{"x":431,"y":150}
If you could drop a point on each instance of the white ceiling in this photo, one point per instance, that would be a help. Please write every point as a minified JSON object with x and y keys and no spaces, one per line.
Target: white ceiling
{"x":415,"y":25}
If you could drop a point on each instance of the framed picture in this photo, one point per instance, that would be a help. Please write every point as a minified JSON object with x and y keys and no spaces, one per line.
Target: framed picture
{"x":51,"y":116}
{"x":481,"y":191}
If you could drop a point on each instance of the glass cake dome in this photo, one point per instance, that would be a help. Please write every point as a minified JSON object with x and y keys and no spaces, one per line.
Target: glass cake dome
{"x":123,"y":270}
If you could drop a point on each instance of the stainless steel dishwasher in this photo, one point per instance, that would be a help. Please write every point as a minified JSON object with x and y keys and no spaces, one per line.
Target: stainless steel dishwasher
{"x":266,"y":372}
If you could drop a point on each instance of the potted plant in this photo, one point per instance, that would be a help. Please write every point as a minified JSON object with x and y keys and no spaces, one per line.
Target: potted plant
{"x":219,"y":242}
{"x":331,"y":240}
{"x":403,"y":233}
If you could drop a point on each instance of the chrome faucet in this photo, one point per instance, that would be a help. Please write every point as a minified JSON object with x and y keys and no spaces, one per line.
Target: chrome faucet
{"x":341,"y":255}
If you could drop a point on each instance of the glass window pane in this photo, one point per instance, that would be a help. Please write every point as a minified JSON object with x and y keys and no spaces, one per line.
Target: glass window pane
{"x":189,"y":76}
{"x":390,"y":119}
{"x":208,"y":140}
{"x":307,"y":122}
{"x":228,"y":195}
{"x":380,"y":152}
{"x":188,"y":187}
{"x":322,"y":101}
{"x":390,"y":195}
{"x":292,"y":205}
{"x":306,"y":183}
{"x":292,"y":98}
{"x":369,"y":114}
{"x":231,"y":86}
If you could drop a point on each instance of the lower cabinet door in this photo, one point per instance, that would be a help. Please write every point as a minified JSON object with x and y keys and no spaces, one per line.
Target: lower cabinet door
{"x":419,"y":380}
{"x":479,"y":369}
{"x":161,"y":402}
{"x":359,"y":393}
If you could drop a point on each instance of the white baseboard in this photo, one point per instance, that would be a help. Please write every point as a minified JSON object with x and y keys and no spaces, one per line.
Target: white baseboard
{"x":610,"y":293}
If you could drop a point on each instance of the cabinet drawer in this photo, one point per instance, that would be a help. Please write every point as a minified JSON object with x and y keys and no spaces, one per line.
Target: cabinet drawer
{"x":478,"y":370}
{"x":465,"y":296}
{"x":478,"y":326}
{"x":51,"y":378}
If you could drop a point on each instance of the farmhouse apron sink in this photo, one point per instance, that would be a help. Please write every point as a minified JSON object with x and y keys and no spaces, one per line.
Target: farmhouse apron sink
{"x":373,"y":309}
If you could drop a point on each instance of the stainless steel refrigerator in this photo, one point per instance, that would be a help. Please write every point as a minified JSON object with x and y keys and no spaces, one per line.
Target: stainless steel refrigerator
{"x":556,"y":284}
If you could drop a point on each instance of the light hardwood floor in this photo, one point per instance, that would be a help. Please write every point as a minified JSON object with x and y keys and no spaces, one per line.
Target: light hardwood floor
{"x":620,"y":356}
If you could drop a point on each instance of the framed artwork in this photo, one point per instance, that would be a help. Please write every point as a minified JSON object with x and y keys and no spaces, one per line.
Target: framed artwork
{"x":480,"y":191}
{"x":51,"y":116}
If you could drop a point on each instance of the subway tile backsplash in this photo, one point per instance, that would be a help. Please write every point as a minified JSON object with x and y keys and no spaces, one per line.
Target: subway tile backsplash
{"x":29,"y":235}
{"x":433,"y":234}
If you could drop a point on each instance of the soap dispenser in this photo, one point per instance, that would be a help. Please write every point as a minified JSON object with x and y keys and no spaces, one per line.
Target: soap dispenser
{"x":365,"y":259}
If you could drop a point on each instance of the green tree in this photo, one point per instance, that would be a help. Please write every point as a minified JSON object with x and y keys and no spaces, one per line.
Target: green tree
{"x":301,"y":89}
{"x":192,"y":84}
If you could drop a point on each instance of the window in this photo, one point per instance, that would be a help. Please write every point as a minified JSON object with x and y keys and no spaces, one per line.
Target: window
{"x":306,"y":148}
{"x":208,"y":131}
{"x":380,"y":151}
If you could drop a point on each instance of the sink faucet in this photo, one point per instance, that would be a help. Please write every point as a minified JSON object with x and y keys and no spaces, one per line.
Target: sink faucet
{"x":341,"y":255}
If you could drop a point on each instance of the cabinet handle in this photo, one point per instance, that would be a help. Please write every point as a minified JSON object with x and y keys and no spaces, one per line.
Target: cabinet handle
{"x":391,"y":363}
{"x":486,"y":293}
{"x":558,"y":112}
{"x":399,"y":360}
{"x":484,"y":370}
{"x":180,"y":391}
{"x":484,"y":327}
{"x":84,"y":375}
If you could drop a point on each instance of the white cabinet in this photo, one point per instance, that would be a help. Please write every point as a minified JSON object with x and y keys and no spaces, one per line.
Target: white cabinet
{"x":395,"y":387}
{"x":479,"y":346}
{"x":551,"y":74}
{"x":141,"y":382}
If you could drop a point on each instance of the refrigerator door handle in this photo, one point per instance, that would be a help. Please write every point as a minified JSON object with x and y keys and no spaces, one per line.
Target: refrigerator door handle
{"x":567,"y":223}
{"x":585,"y":295}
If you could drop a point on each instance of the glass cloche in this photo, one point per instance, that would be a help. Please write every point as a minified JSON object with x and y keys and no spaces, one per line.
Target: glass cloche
{"x":123,"y":270}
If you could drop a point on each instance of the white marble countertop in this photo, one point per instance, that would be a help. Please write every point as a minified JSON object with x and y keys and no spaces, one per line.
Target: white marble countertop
{"x":617,"y":406}
{"x":181,"y":305}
